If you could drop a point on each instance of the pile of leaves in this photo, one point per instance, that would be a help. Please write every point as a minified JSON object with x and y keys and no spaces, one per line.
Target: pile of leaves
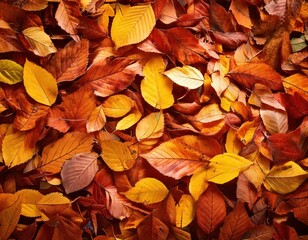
{"x":165,"y":119}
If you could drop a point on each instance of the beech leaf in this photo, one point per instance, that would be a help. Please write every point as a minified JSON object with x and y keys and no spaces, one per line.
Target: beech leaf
{"x":29,"y":199}
{"x":117,"y":105}
{"x":186,"y":76}
{"x":40,"y":84}
{"x":185,"y":211}
{"x":10,"y":72}
{"x":132,"y":24}
{"x":296,"y":83}
{"x":147,"y":191}
{"x":151,"y":126}
{"x":79,"y":171}
{"x":96,"y":120}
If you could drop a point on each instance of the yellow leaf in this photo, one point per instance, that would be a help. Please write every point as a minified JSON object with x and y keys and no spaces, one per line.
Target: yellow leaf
{"x":15,"y":149}
{"x":132,"y":24}
{"x":107,"y":11}
{"x":117,"y":105}
{"x":56,"y":153}
{"x":29,"y":199}
{"x":296,"y":83}
{"x":54,"y":198}
{"x":156,"y":89}
{"x":10,"y":72}
{"x":152,"y":126}
{"x":185,"y":211}
{"x":285,"y":178}
{"x":40,"y":84}
{"x":198,"y":183}
{"x":96,"y":119}
{"x":129,"y":120}
{"x":233,"y":144}
{"x":116,"y":155}
{"x":147,"y":191}
{"x":9,"y":214}
{"x":39,"y":41}
{"x":186,"y":76}
{"x":246,"y":131}
{"x":225,"y":167}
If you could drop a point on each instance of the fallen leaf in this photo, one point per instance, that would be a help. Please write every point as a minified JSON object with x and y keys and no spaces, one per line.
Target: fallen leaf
{"x":185,"y":211}
{"x":147,"y":191}
{"x":10,"y":72}
{"x":154,"y":228}
{"x":96,"y":120}
{"x":296,"y":83}
{"x":29,"y":199}
{"x":151,"y":126}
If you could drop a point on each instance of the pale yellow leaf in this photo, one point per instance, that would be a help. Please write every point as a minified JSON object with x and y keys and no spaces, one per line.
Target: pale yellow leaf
{"x":40,"y":84}
{"x":117,"y":105}
{"x":116,"y":155}
{"x":198,"y":183}
{"x":129,"y":120}
{"x":151,"y":126}
{"x":285,"y":178}
{"x":156,"y":89}
{"x":96,"y":120}
{"x":225,"y":167}
{"x":186,"y":76}
{"x":132,"y":24}
{"x":147,"y":191}
{"x":10,"y":72}
{"x":15,"y":149}
{"x":29,"y":199}
{"x":185,"y":211}
{"x":39,"y":41}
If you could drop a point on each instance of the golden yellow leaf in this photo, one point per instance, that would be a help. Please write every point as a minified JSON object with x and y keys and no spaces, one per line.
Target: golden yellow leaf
{"x":186,"y":76}
{"x":29,"y":199}
{"x":129,"y":120}
{"x":296,"y":83}
{"x":9,"y":214}
{"x":39,"y":41}
{"x":185,"y":211}
{"x":156,"y":89}
{"x":15,"y":149}
{"x":132,"y":24}
{"x":151,"y":126}
{"x":198,"y":183}
{"x":54,"y":198}
{"x":233,"y":144}
{"x":56,"y":153}
{"x":116,"y":155}
{"x":246,"y":131}
{"x":40,"y":84}
{"x":117,"y":105}
{"x":10,"y":72}
{"x":147,"y":191}
{"x":107,"y":11}
{"x":285,"y":178}
{"x":225,"y":167}
{"x":96,"y":120}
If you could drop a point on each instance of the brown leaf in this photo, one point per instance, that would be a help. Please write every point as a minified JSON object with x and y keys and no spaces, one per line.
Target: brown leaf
{"x":230,"y":39}
{"x":70,"y":62}
{"x":237,"y":223}
{"x":220,"y":19}
{"x":153,"y":228}
{"x":252,"y":73}
{"x":260,"y":232}
{"x":110,"y":76}
{"x":9,"y":41}
{"x":210,"y":209}
{"x":246,"y":191}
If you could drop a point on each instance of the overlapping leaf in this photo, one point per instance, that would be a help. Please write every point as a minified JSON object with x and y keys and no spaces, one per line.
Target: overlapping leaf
{"x":10,"y":72}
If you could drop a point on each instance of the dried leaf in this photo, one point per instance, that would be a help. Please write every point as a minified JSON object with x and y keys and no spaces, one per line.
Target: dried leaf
{"x":96,"y":120}
{"x":40,"y":43}
{"x":132,"y":24}
{"x":296,"y":83}
{"x":56,"y":153}
{"x":10,"y":72}
{"x":40,"y":84}
{"x":33,"y":5}
{"x":156,"y":89}
{"x":129,"y":120}
{"x":210,"y":209}
{"x":153,"y":228}
{"x":147,"y":191}
{"x":29,"y":199}
{"x":285,"y":178}
{"x":117,"y":105}
{"x":151,"y":126}
{"x":186,"y":76}
{"x":252,"y":73}
{"x":185,"y":211}
{"x":182,"y":156}
{"x":240,"y":11}
{"x":116,"y":155}
{"x":275,"y":121}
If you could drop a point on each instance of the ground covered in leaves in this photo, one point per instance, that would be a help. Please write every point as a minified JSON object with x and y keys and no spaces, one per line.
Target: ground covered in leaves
{"x":165,"y":119}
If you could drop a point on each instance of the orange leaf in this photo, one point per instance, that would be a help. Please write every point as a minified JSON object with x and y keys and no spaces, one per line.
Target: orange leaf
{"x":67,"y":15}
{"x":96,"y":120}
{"x":210,"y":209}
{"x":236,"y":224}
{"x":56,"y":153}
{"x":251,"y":73}
{"x":154,"y":228}
{"x":79,"y":171}
{"x":182,"y":156}
{"x":110,"y":76}
{"x":70,"y":62}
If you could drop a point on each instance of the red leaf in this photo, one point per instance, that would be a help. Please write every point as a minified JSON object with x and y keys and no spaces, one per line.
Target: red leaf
{"x":252,"y":73}
{"x":9,"y":41}
{"x":70,"y":62}
{"x":110,"y":76}
{"x":236,"y":224}
{"x":210,"y":209}
{"x":261,"y":232}
{"x":152,"y":229}
{"x":246,"y":191}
